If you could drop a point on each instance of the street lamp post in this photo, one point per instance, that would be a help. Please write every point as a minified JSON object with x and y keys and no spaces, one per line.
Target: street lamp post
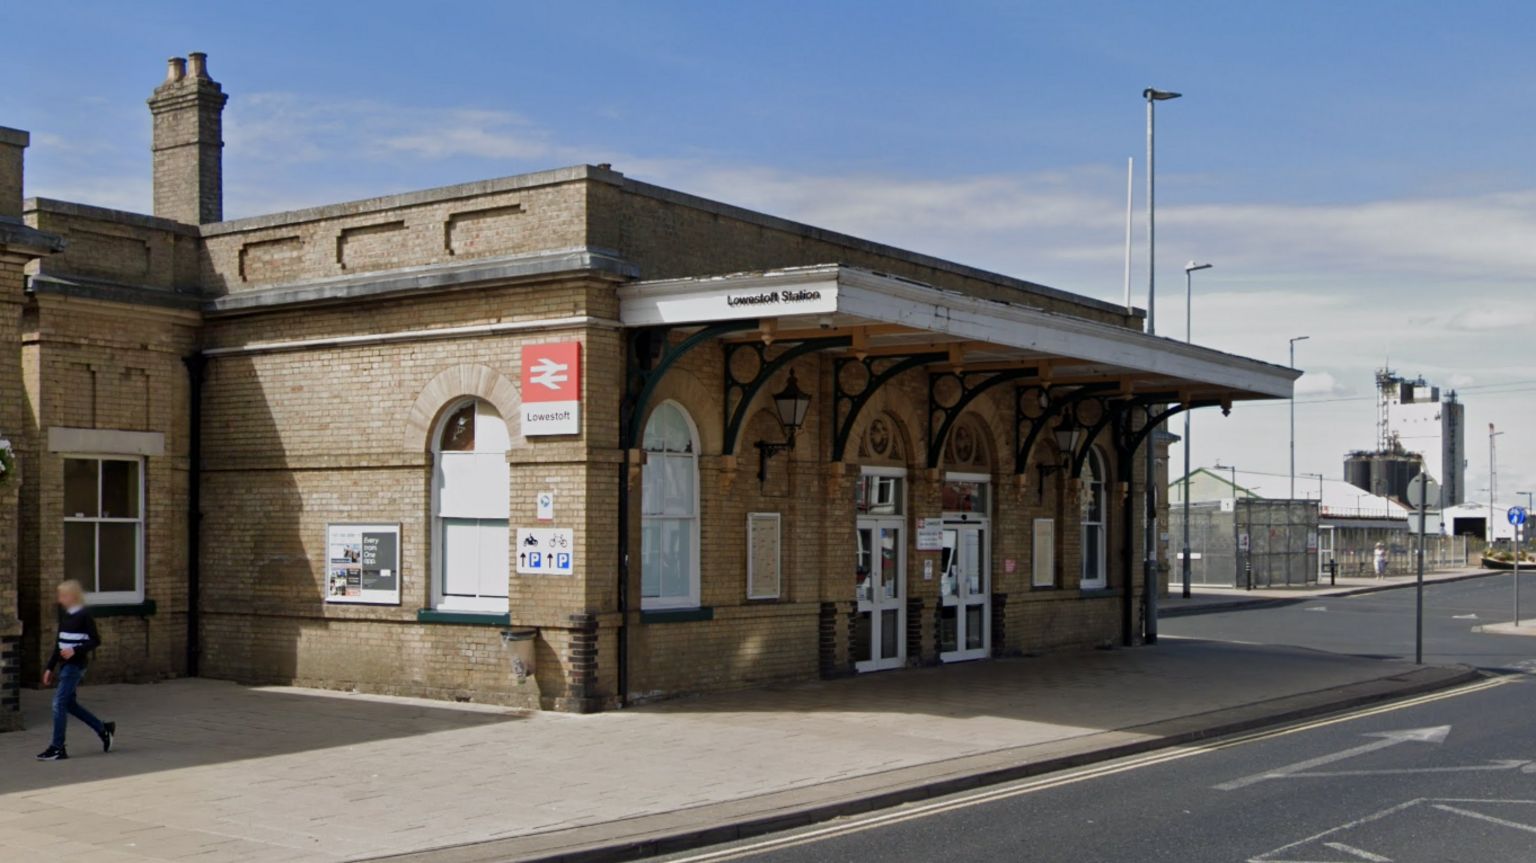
{"x":1149,"y":569}
{"x":1189,"y":295}
{"x":1493,"y":483}
{"x":1293,"y":416}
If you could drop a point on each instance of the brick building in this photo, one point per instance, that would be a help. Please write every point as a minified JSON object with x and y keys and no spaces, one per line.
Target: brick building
{"x":562,"y":439}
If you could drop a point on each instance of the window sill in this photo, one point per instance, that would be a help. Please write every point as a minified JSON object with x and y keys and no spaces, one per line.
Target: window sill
{"x":464,"y":618}
{"x":677,"y":615}
{"x":133,"y":609}
{"x":1097,"y":592}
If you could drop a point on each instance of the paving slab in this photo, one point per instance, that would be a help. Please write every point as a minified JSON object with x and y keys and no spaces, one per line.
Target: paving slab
{"x":225,"y":772}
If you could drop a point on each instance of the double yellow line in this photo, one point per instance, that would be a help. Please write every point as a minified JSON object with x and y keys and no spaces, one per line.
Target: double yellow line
{"x":1057,"y":780}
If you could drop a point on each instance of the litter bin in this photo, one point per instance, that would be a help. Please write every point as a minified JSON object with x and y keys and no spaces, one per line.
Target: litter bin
{"x":520,"y":644}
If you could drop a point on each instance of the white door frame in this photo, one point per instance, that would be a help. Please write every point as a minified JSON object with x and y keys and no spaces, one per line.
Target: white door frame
{"x":970,"y":521}
{"x":878,"y":602}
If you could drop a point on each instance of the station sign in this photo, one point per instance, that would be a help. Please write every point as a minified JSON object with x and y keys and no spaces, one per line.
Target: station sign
{"x":551,"y":389}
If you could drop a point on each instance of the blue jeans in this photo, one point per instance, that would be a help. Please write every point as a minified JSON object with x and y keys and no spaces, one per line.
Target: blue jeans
{"x":65,"y":705}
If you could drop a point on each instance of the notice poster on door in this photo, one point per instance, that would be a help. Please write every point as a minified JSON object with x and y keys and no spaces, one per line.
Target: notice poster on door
{"x":362,"y":564}
{"x":930,"y":534}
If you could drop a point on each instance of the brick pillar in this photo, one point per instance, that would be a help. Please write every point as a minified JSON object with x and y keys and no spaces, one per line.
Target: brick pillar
{"x":19,"y":245}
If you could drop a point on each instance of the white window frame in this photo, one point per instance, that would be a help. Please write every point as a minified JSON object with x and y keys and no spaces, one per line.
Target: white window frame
{"x":1100,"y":580}
{"x":111,"y":597}
{"x":879,"y":472}
{"x":692,"y":600}
{"x":441,"y":600}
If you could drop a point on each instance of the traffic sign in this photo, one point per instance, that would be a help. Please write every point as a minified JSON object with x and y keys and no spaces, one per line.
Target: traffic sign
{"x":1423,"y":492}
{"x":1517,"y":515}
{"x":545,"y":551}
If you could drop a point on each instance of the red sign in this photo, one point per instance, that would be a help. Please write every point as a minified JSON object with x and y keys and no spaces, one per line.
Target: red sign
{"x":552,"y":389}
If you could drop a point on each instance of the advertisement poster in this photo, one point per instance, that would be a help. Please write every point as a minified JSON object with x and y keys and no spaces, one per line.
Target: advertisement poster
{"x":363,"y":564}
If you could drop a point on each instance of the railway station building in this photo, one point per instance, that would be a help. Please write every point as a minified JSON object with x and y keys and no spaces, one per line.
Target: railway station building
{"x":561,"y":440}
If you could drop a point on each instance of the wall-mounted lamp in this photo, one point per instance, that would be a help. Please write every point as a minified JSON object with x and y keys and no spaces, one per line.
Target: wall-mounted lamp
{"x":790,"y":405}
{"x":1066,"y":432}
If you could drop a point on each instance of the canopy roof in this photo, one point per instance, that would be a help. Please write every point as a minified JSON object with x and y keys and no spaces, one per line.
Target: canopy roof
{"x":889,"y":315}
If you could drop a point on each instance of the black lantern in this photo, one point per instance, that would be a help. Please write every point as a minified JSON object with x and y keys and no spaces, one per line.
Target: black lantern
{"x":1066,"y":433}
{"x":791,"y":405}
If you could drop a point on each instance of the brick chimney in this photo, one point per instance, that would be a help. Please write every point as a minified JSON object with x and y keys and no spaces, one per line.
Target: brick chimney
{"x":188,"y":145}
{"x":13,"y":142}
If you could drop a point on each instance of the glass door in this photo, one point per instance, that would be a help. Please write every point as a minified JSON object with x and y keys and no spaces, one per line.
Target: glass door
{"x":879,"y":638}
{"x":965,"y":592}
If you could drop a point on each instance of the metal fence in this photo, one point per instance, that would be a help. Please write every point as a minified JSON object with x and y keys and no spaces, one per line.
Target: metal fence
{"x":1248,"y":542}
{"x":1355,"y":551}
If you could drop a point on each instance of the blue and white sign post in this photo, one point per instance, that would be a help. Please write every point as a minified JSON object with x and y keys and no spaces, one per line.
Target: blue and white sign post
{"x":1517,"y":519}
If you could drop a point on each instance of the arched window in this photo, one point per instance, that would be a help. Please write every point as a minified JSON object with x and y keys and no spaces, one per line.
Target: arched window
{"x":669,"y":505}
{"x":470,"y":507}
{"x":1094,"y":564}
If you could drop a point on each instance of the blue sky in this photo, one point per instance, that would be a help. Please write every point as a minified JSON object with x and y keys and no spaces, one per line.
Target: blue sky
{"x":1359,"y":172}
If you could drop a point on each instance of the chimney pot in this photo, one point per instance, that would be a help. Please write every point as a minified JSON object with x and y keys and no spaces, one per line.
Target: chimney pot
{"x":175,"y":69}
{"x":199,"y":63}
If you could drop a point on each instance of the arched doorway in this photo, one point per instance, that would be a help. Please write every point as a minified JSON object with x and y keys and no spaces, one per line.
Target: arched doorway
{"x":878,"y":640}
{"x":965,"y":564}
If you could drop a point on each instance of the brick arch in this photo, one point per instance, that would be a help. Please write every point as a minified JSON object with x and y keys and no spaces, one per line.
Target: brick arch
{"x":456,"y":382}
{"x":903,"y":412}
{"x":990,"y":417}
{"x":701,"y":402}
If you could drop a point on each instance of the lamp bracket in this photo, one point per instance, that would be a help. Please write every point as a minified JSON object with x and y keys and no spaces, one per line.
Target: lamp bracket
{"x":748,"y":368}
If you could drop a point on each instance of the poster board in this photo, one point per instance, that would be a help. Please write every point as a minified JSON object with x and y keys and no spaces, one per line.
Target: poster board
{"x":764,"y":556}
{"x":930,"y":534}
{"x":1043,"y":546}
{"x":362,"y":564}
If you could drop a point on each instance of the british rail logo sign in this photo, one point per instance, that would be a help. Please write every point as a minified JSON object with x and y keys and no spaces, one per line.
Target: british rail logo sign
{"x":552,"y":389}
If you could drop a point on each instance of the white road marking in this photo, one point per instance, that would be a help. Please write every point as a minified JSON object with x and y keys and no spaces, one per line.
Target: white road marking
{"x":1269,"y":856}
{"x":1464,"y":617}
{"x":1489,"y":818}
{"x":1358,"y":852}
{"x":1435,"y":734}
{"x":1316,"y":608}
{"x":1501,"y":764}
{"x":1439,"y":803}
{"x":860,"y":824}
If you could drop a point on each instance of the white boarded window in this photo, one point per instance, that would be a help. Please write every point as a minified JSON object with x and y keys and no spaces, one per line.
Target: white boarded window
{"x":669,"y":501}
{"x":471,"y":506}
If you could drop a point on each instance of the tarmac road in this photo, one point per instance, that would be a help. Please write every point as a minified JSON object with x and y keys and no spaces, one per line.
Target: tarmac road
{"x":1445,"y":777}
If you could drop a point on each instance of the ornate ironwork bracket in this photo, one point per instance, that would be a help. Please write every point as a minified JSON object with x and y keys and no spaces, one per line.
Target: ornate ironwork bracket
{"x":1031,"y":427}
{"x":739,"y":393}
{"x":878,"y":371}
{"x":650,"y":353}
{"x":942,"y":417}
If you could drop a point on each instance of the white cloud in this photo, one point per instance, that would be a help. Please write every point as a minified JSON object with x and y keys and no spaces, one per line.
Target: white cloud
{"x":1320,"y":384}
{"x":1484,"y":319}
{"x":1422,"y":281}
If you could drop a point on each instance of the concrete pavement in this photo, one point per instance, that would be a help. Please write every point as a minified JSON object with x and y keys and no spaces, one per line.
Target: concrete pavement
{"x":212,"y":771}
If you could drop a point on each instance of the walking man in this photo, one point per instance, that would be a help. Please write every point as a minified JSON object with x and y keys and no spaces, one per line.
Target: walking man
{"x":77,"y":638}
{"x":1380,"y":560}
